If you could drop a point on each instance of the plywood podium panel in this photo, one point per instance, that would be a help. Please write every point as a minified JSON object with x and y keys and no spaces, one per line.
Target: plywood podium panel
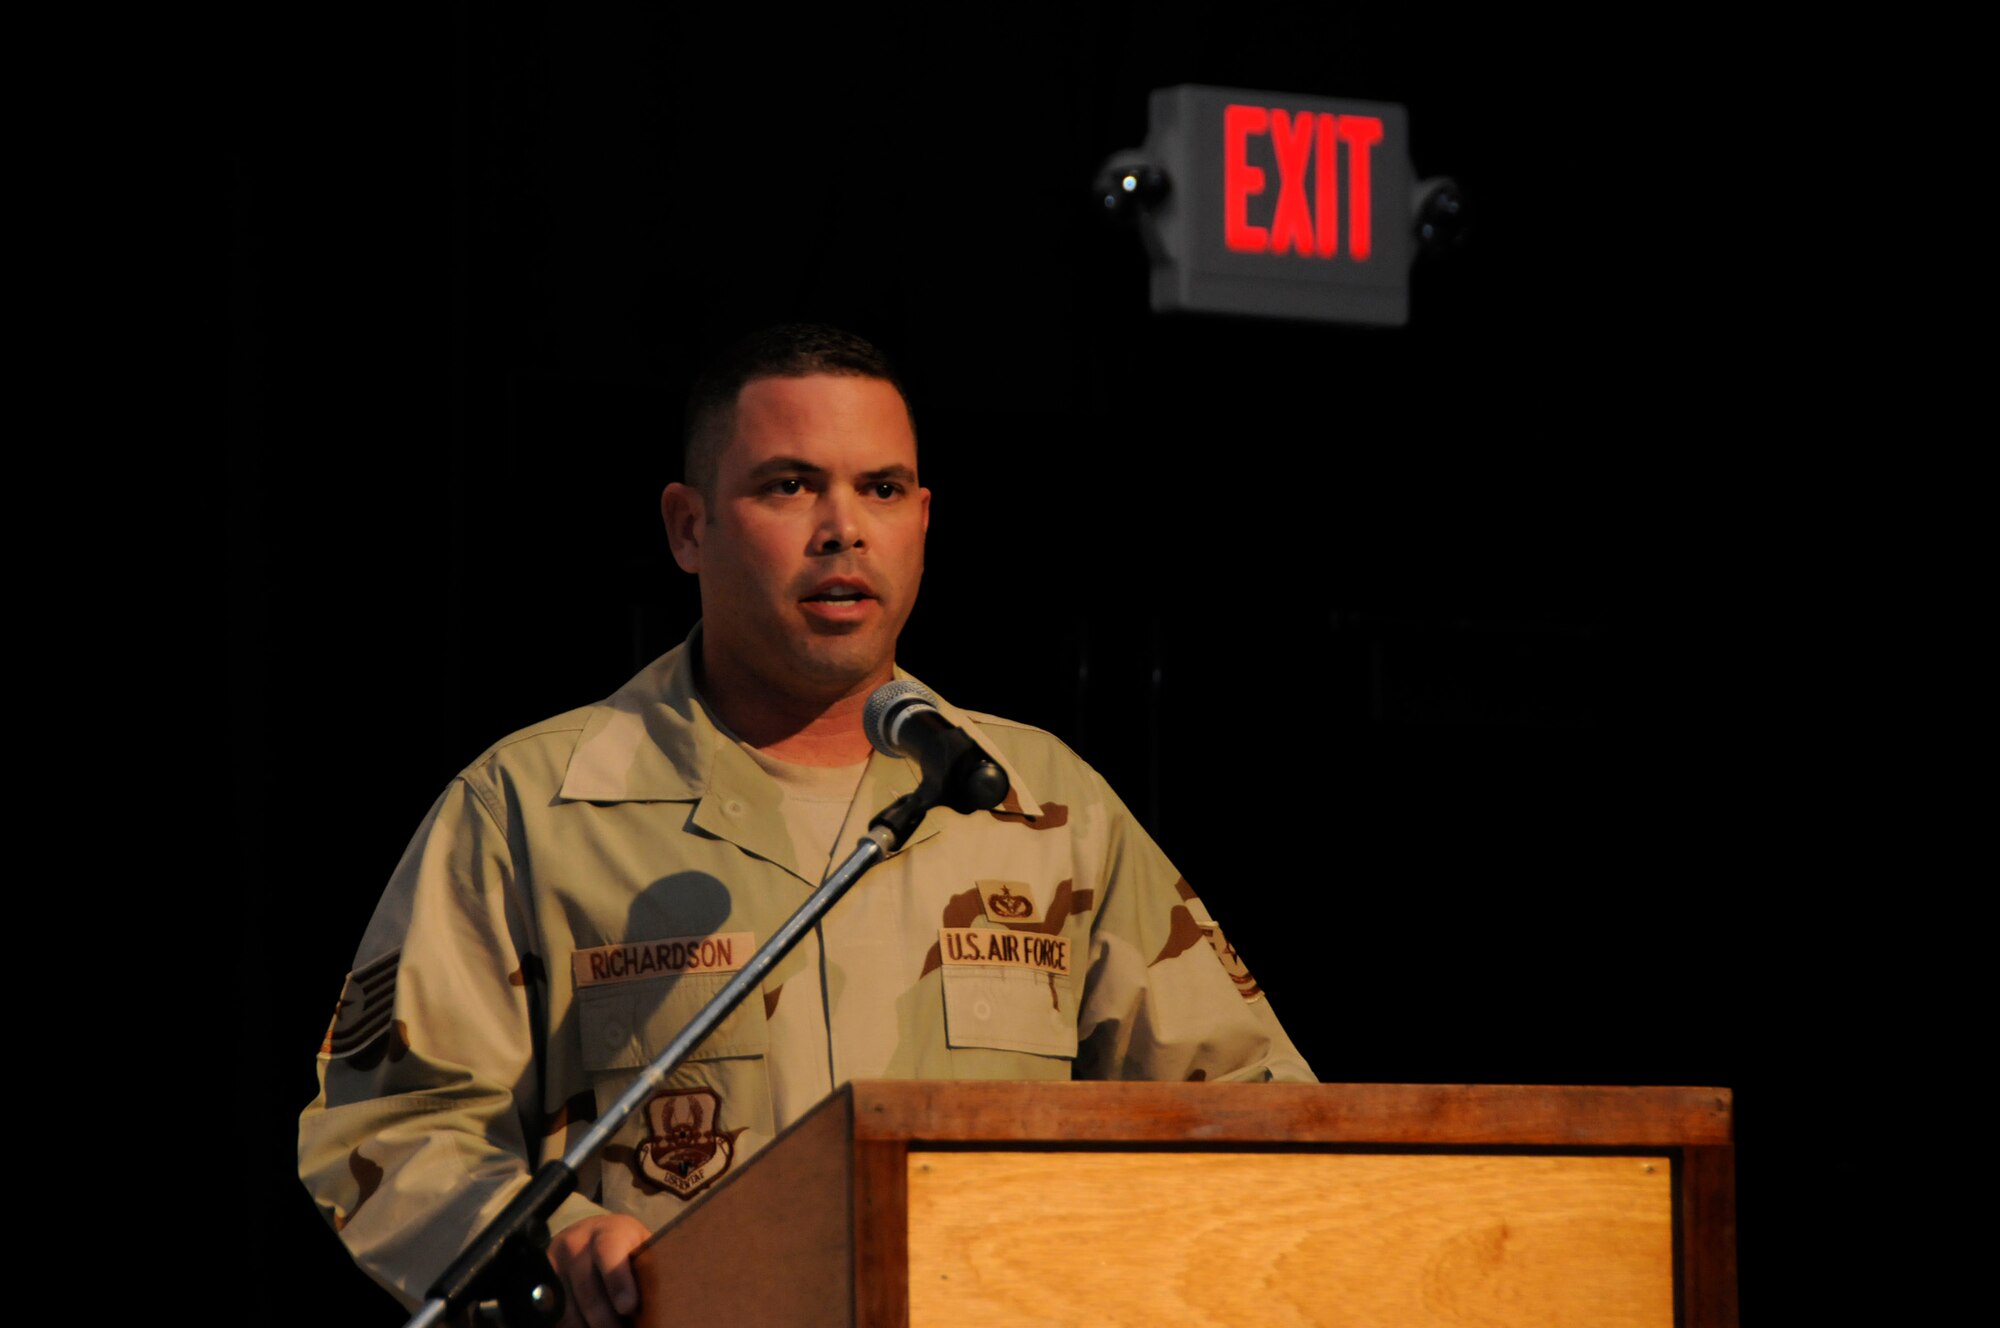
{"x":970,"y":1204}
{"x":1289,"y":1239}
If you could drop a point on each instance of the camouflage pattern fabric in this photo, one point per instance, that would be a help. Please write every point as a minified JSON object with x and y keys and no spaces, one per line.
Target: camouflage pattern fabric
{"x":581,"y":889}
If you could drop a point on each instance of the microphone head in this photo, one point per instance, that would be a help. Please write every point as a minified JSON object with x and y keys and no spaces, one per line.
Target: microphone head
{"x":885,"y":703}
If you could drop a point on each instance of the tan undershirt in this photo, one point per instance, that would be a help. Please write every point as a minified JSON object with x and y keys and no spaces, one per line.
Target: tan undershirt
{"x":815,"y":805}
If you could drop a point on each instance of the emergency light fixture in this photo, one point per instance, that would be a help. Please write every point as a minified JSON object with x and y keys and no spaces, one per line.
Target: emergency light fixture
{"x":1276,"y":205}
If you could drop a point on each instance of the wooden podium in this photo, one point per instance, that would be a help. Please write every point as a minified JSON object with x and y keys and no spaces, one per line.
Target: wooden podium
{"x":1377,"y":1205}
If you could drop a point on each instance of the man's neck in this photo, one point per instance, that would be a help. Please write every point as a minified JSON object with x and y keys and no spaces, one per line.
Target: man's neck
{"x":804,"y":730}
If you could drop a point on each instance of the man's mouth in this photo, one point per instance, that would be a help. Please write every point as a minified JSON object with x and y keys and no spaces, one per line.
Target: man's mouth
{"x":838,"y":593}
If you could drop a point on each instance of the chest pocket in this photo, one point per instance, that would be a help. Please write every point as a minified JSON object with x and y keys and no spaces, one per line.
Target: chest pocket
{"x":623,"y":1027}
{"x":1009,"y":1009}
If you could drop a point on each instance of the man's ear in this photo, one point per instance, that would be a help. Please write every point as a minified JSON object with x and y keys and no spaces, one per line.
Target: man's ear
{"x":685,"y":513}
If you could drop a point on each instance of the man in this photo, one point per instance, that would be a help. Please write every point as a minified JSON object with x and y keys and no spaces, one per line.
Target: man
{"x":584,"y":886}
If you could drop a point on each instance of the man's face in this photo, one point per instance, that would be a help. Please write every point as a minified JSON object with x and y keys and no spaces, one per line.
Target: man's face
{"x":810,"y":543}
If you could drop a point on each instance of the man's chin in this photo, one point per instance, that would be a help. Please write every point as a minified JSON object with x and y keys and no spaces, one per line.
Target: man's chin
{"x":842,"y":663}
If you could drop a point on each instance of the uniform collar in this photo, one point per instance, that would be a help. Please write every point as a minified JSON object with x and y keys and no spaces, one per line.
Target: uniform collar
{"x":653,"y":741}
{"x":649,"y":741}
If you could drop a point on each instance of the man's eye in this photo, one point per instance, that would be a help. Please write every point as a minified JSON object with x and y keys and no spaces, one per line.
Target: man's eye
{"x":885,"y":489}
{"x":788,"y":486}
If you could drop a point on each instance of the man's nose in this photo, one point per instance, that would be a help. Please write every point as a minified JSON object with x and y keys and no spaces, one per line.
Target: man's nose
{"x":839,"y":524}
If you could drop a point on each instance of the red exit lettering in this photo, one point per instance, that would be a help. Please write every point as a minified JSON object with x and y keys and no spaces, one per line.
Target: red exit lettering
{"x":1296,"y":141}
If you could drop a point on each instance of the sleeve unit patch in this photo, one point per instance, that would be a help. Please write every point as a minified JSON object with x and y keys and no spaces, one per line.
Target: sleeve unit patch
{"x":725,"y":952}
{"x":1232,"y":964}
{"x":1188,"y":925}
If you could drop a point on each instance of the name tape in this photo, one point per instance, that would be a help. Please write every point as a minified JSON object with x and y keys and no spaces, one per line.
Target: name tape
{"x":725,"y":952}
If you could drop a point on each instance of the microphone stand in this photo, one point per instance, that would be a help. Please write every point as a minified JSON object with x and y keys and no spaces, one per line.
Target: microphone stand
{"x":507,"y":1262}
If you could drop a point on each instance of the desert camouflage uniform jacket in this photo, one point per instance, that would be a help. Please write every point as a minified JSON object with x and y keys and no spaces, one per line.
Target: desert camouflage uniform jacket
{"x":583,"y":887}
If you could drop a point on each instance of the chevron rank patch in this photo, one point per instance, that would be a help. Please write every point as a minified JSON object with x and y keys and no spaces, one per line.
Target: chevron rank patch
{"x":367,"y":1000}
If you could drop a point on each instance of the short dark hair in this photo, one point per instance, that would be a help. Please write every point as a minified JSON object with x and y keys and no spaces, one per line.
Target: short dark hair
{"x":789,"y":350}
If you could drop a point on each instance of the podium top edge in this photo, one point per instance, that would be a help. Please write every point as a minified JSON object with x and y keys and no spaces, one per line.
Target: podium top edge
{"x":1547,"y":1115}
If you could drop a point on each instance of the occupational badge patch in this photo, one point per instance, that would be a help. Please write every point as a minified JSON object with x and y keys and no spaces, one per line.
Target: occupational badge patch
{"x":683,"y":1152}
{"x":1009,"y":901}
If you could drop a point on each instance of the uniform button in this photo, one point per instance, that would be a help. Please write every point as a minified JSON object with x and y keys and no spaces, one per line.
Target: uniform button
{"x":981,"y":1010}
{"x":734,"y":806}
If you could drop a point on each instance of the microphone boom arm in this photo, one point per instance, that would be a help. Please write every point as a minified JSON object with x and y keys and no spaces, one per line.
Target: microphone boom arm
{"x":508,"y":1260}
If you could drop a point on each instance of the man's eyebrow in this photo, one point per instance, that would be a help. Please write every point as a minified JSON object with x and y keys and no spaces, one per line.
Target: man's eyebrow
{"x":784,"y":465}
{"x":772,"y":467}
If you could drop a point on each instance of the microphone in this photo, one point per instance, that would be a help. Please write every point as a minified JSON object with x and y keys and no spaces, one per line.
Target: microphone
{"x":902,"y":719}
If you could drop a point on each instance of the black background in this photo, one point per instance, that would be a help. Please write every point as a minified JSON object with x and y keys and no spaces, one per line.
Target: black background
{"x":1405,"y":643}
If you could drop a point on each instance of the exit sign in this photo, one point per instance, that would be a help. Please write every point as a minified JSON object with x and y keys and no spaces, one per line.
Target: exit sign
{"x":1279,"y":205}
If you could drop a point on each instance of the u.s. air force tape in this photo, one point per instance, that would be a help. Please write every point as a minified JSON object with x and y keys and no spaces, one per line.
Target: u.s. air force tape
{"x":991,"y":947}
{"x":724,"y":952}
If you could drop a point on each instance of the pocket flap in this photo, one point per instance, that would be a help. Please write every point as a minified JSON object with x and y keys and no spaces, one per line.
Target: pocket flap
{"x":1012,"y":1009}
{"x":627,"y":1024}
